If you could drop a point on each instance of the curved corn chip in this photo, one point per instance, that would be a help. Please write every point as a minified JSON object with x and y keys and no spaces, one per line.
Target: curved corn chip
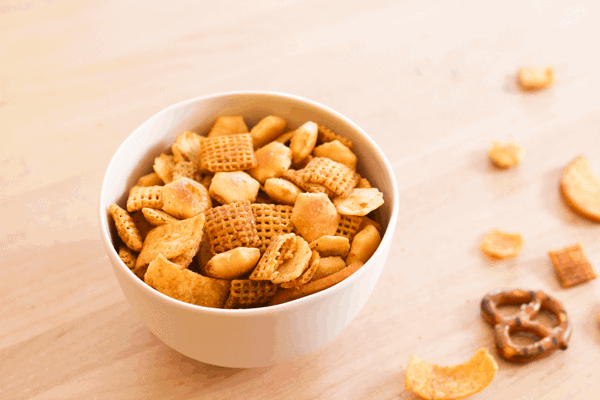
{"x":581,"y":188}
{"x":501,"y":244}
{"x":432,"y":381}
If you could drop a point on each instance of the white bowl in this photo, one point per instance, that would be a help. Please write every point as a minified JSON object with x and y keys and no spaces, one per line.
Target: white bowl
{"x":253,"y":337}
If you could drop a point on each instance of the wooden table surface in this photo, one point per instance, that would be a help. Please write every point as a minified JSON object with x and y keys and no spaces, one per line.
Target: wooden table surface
{"x":432,"y":82}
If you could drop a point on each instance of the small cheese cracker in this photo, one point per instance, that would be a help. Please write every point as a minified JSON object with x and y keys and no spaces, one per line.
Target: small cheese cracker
{"x":267,"y":130}
{"x":336,"y":151}
{"x":185,"y":285}
{"x":328,"y":266}
{"x":245,"y":293}
{"x":501,"y":244}
{"x":157,"y":217}
{"x":303,"y":142}
{"x":285,"y":295}
{"x":506,"y":155}
{"x":572,"y":266}
{"x":364,"y":245}
{"x":228,"y":125}
{"x":126,"y":228}
{"x":581,"y":188}
{"x":185,"y":198}
{"x":282,"y":191}
{"x":232,"y":264}
{"x":314,"y":215}
{"x":536,"y":78}
{"x":331,"y":246}
{"x":359,"y":202}
{"x":431,"y":381}
{"x":230,"y":187}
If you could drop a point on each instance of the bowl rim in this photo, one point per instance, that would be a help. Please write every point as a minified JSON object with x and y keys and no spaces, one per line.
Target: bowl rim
{"x":263,"y":311}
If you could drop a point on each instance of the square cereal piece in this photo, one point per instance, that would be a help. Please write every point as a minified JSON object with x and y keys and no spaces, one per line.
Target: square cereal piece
{"x":326,"y":135}
{"x":231,"y":225}
{"x":272,"y":220}
{"x":187,"y":286}
{"x":571,"y":265}
{"x":170,"y":240}
{"x":249,"y":294}
{"x":349,"y":225}
{"x":144,"y":197}
{"x":334,"y":176}
{"x":227,"y":153}
{"x":126,"y":228}
{"x":295,"y":177}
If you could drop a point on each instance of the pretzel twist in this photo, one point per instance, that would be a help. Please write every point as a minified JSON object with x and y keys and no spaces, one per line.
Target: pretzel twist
{"x":531,"y":303}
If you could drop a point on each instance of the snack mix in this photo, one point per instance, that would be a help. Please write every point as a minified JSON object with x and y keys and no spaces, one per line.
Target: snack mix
{"x":244,"y":218}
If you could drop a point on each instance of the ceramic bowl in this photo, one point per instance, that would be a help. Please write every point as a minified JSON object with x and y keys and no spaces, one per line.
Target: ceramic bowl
{"x":253,"y":337}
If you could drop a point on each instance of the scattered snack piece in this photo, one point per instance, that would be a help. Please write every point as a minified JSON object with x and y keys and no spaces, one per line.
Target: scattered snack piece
{"x":501,"y":244}
{"x":282,"y":191}
{"x":286,"y":137}
{"x":303,"y":142}
{"x":331,"y":246}
{"x":267,"y":130}
{"x":364,"y":245}
{"x":349,"y":225}
{"x":572,"y":266}
{"x":144,"y":197}
{"x":359,"y":202}
{"x":273,"y":160}
{"x":295,"y":177}
{"x":150,"y":180}
{"x":187,"y":286}
{"x":231,"y":225}
{"x":506,"y":155}
{"x":271,"y":220}
{"x":368,"y":221}
{"x":158,"y":217}
{"x":170,"y":240}
{"x":185,"y":198}
{"x":531,"y":304}
{"x":128,"y":256}
{"x":581,"y":188}
{"x":231,"y":187}
{"x":336,"y":151}
{"x":187,"y":148}
{"x":326,"y":135}
{"x":285,"y":295}
{"x":363,"y":183}
{"x":314,"y":215}
{"x":434,"y":382}
{"x":249,"y":294}
{"x":293,"y":267}
{"x":228,"y":125}
{"x":232,"y":264}
{"x":328,"y":266}
{"x":227,"y":153}
{"x":336,"y":177}
{"x":536,"y":78}
{"x":163,"y":167}
{"x":126,"y":228}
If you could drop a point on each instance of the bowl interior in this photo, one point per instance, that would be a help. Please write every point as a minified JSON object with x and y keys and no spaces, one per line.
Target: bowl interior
{"x":135,"y":156}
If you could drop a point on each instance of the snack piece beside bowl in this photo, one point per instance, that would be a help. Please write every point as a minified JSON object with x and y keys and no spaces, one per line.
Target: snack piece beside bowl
{"x":223,"y":238}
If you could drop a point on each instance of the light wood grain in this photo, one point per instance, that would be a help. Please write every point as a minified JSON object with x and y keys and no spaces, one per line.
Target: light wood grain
{"x":432,"y":82}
